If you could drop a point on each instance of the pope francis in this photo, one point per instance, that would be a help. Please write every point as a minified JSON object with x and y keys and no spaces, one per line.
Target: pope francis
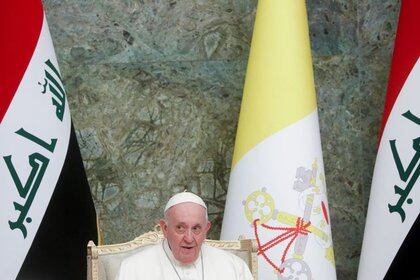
{"x":182,"y":254}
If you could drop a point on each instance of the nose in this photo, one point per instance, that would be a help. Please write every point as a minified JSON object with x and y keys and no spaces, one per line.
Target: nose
{"x":188,"y":236}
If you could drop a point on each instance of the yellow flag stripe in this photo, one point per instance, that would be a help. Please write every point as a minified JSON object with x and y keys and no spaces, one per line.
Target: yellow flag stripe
{"x":279,"y":88}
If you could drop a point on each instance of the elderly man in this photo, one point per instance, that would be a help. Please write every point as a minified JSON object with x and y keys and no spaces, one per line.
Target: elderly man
{"x":182,"y":254}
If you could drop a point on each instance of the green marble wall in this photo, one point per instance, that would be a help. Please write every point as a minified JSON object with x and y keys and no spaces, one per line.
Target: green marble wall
{"x":155,"y":88}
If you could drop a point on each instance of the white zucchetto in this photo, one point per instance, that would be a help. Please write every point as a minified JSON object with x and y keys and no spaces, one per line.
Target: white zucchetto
{"x":184,"y":197}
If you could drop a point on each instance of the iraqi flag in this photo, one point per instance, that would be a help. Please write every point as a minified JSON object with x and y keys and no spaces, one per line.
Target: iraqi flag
{"x":277,"y":191}
{"x":391,"y":242}
{"x":46,"y":210}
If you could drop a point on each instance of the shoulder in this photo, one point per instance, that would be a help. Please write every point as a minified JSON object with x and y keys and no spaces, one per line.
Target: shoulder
{"x":135,"y":266}
{"x":232,"y":266}
{"x":146,"y":255}
{"x":222,"y":255}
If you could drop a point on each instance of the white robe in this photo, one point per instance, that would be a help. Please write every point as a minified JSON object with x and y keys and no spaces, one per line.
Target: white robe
{"x":153,"y":264}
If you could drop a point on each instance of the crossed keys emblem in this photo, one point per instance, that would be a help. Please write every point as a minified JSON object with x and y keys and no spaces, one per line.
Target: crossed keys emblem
{"x":290,"y":238}
{"x":259,"y":209}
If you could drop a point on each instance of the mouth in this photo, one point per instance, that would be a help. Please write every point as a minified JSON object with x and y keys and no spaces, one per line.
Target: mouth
{"x":187,"y":247}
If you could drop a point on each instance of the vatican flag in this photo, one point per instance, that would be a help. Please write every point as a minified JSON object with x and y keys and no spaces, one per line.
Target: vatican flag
{"x":277,"y":192}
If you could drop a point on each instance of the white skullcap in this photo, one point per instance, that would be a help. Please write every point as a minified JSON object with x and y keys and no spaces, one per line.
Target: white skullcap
{"x":184,"y":197}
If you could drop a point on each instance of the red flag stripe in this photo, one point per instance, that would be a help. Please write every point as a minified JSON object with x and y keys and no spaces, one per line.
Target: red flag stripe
{"x":406,"y":53}
{"x":20,"y":27}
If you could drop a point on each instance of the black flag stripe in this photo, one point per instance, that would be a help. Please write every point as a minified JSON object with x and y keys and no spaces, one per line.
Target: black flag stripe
{"x":406,"y":264}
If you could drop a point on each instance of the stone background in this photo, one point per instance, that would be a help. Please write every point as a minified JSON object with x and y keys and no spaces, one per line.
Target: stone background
{"x":155,"y":88}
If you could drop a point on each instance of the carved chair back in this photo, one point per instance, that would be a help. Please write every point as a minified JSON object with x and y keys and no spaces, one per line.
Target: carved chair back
{"x":104,"y":261}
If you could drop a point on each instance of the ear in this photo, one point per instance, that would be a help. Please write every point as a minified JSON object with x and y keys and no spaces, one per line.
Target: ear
{"x":208,"y":226}
{"x":164,"y":227}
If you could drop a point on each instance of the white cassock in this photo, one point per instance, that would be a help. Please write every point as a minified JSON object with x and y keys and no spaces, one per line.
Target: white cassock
{"x":154,"y":264}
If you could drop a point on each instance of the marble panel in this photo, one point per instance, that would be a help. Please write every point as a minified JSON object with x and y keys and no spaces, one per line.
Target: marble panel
{"x":155,"y":89}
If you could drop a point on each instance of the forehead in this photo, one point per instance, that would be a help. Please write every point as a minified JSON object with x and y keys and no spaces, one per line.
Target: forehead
{"x":187,"y":212}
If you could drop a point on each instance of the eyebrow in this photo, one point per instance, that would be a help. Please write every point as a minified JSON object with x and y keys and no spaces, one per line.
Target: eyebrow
{"x":184,"y":224}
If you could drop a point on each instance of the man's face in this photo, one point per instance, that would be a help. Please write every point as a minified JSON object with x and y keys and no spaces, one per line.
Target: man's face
{"x":185,"y":227}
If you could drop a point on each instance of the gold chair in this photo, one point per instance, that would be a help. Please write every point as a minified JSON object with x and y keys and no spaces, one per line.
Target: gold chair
{"x":104,"y":261}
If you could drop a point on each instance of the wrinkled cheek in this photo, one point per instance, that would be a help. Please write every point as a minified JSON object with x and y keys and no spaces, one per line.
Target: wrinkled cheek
{"x":200,"y":240}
